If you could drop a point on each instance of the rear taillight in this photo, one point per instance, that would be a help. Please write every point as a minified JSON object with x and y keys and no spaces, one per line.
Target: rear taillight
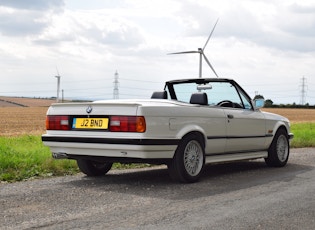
{"x":57,"y":122}
{"x":127,"y":124}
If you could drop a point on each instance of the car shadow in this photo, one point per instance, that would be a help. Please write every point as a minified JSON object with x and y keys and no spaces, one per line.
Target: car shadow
{"x":216,"y":179}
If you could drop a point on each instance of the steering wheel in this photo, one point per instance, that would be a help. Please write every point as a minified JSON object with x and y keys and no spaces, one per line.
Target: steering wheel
{"x":226,"y":103}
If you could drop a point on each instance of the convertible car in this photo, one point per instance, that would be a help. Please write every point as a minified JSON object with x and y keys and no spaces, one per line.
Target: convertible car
{"x":188,"y":124}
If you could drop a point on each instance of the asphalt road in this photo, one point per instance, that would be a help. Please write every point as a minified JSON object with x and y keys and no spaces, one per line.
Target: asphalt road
{"x":243,"y":195}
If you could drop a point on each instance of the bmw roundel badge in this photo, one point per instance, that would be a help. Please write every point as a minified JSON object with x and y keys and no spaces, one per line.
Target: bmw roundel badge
{"x":89,"y":109}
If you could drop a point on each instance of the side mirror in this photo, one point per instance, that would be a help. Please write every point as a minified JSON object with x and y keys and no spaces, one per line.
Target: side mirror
{"x":259,"y":103}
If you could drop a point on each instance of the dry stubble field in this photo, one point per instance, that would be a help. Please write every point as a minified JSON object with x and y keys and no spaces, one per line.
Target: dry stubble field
{"x":294,"y":115}
{"x":31,"y":120}
{"x":22,"y":120}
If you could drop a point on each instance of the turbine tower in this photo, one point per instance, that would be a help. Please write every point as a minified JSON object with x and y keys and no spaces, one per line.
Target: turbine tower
{"x":58,"y":87}
{"x":58,"y":84}
{"x":201,"y":54}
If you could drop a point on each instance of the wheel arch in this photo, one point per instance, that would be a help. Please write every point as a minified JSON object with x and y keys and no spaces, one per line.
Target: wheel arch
{"x":275,"y":126}
{"x":199,"y":135}
{"x":281,"y":126}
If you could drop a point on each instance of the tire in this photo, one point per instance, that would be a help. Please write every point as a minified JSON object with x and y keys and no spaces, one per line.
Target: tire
{"x":278,"y":153}
{"x":188,"y":161}
{"x":93,"y":168}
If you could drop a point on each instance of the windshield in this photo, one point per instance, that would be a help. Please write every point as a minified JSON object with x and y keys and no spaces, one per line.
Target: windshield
{"x":219,"y":93}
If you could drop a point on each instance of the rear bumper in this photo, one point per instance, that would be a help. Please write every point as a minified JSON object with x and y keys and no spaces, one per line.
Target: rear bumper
{"x":110,"y":141}
{"x":65,"y":147}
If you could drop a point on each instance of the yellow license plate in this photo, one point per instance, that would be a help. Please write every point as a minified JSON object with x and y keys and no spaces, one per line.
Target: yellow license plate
{"x":90,"y":123}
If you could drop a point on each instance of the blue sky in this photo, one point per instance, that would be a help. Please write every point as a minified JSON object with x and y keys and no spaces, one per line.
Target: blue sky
{"x":266,"y":46}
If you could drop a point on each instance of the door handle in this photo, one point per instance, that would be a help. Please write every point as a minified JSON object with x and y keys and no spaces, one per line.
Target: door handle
{"x":230,"y":116}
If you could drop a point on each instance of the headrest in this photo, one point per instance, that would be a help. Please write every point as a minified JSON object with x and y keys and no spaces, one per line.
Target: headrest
{"x":159,"y":95}
{"x":199,"y":98}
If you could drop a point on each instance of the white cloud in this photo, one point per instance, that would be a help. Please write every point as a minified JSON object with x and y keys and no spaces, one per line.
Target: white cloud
{"x":38,"y":5}
{"x":20,"y":18}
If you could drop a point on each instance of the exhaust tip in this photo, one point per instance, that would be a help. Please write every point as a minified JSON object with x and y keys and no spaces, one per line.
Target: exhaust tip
{"x":60,"y":155}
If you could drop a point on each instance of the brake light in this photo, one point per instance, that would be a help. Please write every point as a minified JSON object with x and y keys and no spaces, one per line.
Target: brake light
{"x":57,"y":122}
{"x":127,"y":124}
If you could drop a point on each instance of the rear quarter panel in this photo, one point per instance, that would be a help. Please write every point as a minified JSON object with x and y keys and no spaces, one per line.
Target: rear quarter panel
{"x":177,"y":121}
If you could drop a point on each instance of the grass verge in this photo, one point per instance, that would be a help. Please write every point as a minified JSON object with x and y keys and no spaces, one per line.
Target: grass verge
{"x":304,"y":135}
{"x":25,"y":157}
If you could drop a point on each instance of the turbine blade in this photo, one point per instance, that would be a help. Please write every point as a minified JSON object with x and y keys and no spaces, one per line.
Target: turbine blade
{"x":185,"y":52}
{"x":210,"y":65}
{"x":57,"y":71}
{"x":211,"y":34}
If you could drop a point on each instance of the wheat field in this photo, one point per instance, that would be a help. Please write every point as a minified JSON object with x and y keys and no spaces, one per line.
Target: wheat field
{"x":22,"y":120}
{"x":31,"y":120}
{"x":294,"y":115}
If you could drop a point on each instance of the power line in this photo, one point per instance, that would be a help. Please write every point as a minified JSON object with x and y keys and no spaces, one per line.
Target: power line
{"x":116,"y":84}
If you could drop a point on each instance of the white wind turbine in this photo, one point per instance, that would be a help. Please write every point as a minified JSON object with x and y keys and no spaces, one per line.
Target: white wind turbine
{"x":201,"y":54}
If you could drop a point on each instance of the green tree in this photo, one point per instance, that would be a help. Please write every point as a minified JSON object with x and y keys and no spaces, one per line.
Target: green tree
{"x":268,"y":103}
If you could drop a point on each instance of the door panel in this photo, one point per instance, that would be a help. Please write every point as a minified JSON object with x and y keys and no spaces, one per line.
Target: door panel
{"x":245,"y":130}
{"x":215,"y":129}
